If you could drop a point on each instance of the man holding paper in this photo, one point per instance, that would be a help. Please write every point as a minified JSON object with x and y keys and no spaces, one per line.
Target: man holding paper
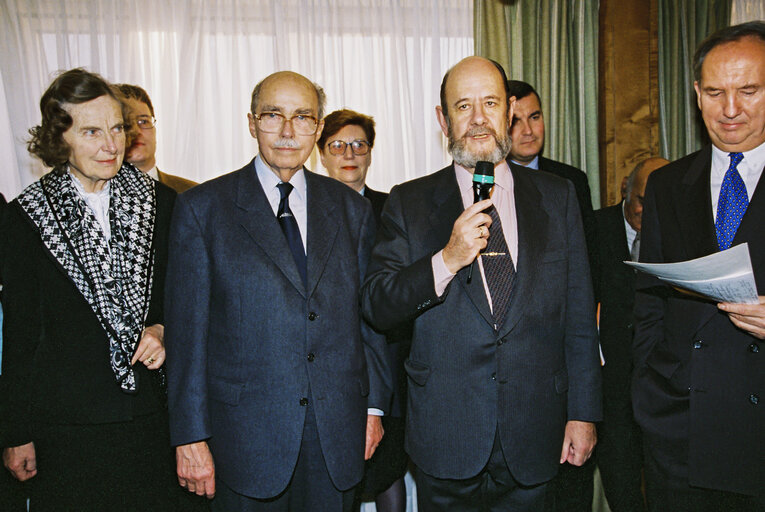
{"x":699,"y":383}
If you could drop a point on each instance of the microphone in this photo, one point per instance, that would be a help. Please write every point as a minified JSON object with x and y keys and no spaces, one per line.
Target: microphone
{"x":483,"y":182}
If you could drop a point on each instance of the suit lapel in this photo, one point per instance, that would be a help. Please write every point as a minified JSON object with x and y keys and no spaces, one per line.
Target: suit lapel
{"x":322,"y":228}
{"x":617,"y":244}
{"x":532,"y":228}
{"x":750,"y":230}
{"x":258,"y":219}
{"x":447,"y":206}
{"x":694,"y":207}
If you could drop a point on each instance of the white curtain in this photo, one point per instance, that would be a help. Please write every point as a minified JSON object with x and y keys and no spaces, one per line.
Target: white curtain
{"x":199,"y":60}
{"x":746,"y":10}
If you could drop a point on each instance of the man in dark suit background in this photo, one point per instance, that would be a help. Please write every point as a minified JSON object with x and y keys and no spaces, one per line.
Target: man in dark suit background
{"x":142,"y":151}
{"x":699,"y":376}
{"x":272,"y":368}
{"x":504,"y":378}
{"x":619,"y":454}
{"x":528,"y":134}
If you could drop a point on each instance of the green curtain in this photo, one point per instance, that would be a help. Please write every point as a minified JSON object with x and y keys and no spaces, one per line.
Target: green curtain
{"x":683,"y":24}
{"x":553,"y":45}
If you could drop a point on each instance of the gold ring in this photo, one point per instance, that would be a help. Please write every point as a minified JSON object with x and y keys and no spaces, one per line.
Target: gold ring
{"x":150,"y":360}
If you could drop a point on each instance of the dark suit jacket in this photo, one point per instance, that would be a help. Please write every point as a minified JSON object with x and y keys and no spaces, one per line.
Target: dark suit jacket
{"x":56,"y":353}
{"x":582,"y":188}
{"x":616,"y":291}
{"x":377,"y":199}
{"x":466,"y":380}
{"x":175,"y":182}
{"x":699,"y":381}
{"x":247,"y":342}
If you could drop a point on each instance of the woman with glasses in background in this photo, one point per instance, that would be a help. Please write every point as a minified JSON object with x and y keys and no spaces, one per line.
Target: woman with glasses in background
{"x":345,"y":148}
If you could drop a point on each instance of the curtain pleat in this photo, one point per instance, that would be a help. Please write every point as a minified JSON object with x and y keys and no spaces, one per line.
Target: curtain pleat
{"x":553,"y":45}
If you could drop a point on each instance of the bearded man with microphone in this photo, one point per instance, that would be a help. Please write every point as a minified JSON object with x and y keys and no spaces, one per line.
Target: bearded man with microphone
{"x":504,"y":375}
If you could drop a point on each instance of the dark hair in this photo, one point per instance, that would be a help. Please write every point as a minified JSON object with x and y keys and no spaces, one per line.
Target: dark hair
{"x":74,"y":86}
{"x":320,"y":95}
{"x":339,"y":119}
{"x":134,"y":92}
{"x":520,"y":90}
{"x":445,"y":107}
{"x":726,"y":35}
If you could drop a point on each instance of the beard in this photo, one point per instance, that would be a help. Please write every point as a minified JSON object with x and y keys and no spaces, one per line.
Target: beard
{"x":464,"y":157}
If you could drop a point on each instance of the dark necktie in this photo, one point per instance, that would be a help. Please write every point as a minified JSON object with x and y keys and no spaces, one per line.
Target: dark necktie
{"x":291,"y":230}
{"x":732,"y":203}
{"x":498,"y":268}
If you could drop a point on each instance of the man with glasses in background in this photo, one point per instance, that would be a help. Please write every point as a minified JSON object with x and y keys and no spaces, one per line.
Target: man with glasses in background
{"x":142,"y":151}
{"x":270,"y":369}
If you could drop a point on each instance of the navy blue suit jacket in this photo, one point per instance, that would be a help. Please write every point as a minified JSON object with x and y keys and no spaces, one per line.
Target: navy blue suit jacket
{"x":466,"y":380}
{"x":246,"y":340}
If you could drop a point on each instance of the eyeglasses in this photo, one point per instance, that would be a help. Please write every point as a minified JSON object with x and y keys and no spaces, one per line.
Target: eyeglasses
{"x":273,"y":122}
{"x":145,"y":122}
{"x":358,"y":147}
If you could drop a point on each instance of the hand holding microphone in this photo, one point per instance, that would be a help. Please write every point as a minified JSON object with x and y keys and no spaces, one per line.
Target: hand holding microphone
{"x":471,"y":229}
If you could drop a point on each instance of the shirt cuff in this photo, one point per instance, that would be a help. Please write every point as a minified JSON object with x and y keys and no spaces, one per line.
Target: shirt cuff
{"x":441,"y":275}
{"x":374,"y":412}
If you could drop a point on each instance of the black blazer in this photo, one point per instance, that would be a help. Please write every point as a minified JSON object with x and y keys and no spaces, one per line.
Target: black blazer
{"x":56,"y":354}
{"x":699,"y":384}
{"x":616,"y":291}
{"x":582,"y":188}
{"x":465,"y":380}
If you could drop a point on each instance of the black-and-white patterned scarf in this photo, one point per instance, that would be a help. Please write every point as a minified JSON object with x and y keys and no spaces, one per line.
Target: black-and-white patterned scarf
{"x":114,"y":277}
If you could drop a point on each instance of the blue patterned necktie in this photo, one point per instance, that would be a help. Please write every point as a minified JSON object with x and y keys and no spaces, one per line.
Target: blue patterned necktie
{"x":498,"y":269}
{"x":291,"y":230}
{"x":732,"y":203}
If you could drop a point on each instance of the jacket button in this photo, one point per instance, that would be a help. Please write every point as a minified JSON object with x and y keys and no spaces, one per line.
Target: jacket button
{"x":698,"y":344}
{"x":493,"y":376}
{"x":312,"y":316}
{"x":500,"y":341}
{"x":754,"y":348}
{"x":629,"y":326}
{"x":303,"y":402}
{"x":754,"y":399}
{"x":311,"y":357}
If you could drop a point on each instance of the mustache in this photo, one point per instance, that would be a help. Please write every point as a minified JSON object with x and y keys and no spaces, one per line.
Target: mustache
{"x":285,"y":143}
{"x":480,"y":130}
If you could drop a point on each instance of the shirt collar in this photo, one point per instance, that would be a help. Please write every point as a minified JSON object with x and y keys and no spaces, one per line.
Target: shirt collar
{"x":270,"y":180}
{"x":101,"y":194}
{"x":503,"y":178}
{"x":752,"y":163}
{"x":534,"y":164}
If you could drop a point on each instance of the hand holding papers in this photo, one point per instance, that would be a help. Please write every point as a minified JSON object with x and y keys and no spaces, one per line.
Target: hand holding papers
{"x":725,"y":276}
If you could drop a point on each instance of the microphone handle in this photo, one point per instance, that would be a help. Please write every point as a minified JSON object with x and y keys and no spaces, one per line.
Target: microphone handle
{"x":481,"y":191}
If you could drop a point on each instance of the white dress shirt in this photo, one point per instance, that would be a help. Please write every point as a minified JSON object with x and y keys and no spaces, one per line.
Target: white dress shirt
{"x":750,"y":169}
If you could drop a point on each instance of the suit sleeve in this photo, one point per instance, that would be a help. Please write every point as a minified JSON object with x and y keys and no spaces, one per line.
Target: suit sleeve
{"x":22,"y":324}
{"x":187,"y":297}
{"x":397,"y":289}
{"x":375,"y":344}
{"x":581,"y":340}
{"x":649,"y":302}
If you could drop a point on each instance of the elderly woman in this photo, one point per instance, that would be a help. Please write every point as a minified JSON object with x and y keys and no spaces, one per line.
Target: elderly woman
{"x":345,"y":149}
{"x":82,"y":386}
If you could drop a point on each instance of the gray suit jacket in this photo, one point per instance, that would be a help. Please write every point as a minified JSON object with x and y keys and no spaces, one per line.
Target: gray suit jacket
{"x":466,"y":381}
{"x":247,"y":342}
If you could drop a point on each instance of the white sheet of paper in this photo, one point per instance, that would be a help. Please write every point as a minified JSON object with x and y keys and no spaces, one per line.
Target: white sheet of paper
{"x":724,"y":276}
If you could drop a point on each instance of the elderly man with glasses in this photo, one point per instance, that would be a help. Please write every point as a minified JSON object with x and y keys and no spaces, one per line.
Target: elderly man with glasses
{"x":144,"y":146}
{"x":275,"y":382}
